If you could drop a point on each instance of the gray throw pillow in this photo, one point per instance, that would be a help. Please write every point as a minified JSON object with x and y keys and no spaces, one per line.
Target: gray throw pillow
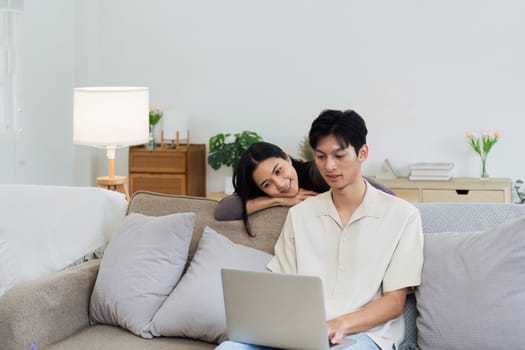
{"x":141,"y":265}
{"x":195,"y":308}
{"x":472,"y":292}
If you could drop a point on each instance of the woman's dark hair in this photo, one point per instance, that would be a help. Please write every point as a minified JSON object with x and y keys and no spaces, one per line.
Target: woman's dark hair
{"x":243,"y":182}
{"x":308,"y":176}
{"x":348,"y":127}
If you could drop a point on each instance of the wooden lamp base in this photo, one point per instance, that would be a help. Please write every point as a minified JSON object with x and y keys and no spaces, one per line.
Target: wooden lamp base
{"x":115,"y":183}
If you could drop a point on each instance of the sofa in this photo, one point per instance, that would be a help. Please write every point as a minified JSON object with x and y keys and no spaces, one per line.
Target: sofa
{"x":52,"y":312}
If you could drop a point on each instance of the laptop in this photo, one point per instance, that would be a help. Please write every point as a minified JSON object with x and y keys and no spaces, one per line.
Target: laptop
{"x":276,"y":310}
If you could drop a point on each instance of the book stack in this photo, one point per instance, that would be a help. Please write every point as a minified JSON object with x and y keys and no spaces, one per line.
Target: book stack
{"x":431,"y":171}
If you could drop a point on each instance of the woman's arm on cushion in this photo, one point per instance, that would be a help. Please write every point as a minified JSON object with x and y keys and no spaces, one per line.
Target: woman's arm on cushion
{"x":230,"y":207}
{"x":264,"y":202}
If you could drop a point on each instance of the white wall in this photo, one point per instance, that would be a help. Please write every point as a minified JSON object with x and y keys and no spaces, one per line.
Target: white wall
{"x":421,"y":73}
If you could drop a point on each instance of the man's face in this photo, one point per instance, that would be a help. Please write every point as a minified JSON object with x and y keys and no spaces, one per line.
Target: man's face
{"x":339,"y":166}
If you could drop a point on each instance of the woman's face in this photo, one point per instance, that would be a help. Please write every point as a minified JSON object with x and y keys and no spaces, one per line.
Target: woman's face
{"x":276,"y":177}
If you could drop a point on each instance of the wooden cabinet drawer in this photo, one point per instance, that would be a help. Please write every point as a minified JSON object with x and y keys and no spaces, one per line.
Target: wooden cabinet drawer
{"x":410,"y":195}
{"x":172,"y":170}
{"x":162,"y":183}
{"x":461,"y":189}
{"x":459,"y":195}
{"x":158,"y":162}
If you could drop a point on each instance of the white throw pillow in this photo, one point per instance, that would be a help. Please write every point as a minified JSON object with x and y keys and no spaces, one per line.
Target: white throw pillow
{"x":46,"y":228}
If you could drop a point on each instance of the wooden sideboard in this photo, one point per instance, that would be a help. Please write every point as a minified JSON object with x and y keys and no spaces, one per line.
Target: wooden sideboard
{"x":180,"y":170}
{"x":454,"y":190}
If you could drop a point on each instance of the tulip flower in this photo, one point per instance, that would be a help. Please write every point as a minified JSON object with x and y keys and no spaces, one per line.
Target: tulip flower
{"x":482,"y":145}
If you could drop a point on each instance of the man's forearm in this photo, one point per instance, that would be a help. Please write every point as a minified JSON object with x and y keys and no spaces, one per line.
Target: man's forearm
{"x":376,"y":312}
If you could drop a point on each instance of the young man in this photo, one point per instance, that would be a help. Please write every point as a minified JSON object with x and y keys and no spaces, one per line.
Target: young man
{"x":366,"y":245}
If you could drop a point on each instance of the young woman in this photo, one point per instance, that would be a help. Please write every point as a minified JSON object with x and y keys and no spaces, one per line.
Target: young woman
{"x":265,"y":177}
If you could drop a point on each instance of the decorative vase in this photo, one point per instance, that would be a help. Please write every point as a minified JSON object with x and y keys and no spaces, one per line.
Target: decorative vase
{"x":228,"y":185}
{"x":151,"y":143}
{"x":484,"y":173}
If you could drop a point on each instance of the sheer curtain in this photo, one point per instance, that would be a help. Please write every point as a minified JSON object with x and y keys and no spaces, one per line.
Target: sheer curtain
{"x":10,"y":64}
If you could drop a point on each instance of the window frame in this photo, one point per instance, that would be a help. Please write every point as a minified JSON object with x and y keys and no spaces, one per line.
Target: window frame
{"x":10,"y":66}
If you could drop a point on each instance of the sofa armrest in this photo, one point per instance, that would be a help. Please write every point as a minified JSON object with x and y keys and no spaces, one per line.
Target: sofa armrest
{"x":47,"y":309}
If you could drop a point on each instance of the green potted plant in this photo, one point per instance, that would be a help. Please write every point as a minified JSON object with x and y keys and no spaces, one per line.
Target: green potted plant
{"x":306,"y":152}
{"x":226,"y":149}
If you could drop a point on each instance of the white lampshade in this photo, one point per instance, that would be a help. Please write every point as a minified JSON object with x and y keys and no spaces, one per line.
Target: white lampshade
{"x":110,"y":117}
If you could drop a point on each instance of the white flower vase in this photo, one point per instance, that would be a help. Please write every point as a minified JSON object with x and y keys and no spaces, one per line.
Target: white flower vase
{"x":228,"y":185}
{"x":484,"y":173}
{"x":151,"y":145}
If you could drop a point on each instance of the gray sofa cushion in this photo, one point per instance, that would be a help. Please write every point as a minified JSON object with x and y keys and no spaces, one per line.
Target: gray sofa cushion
{"x":473,"y":289}
{"x":441,"y":217}
{"x":462,"y":217}
{"x":195,"y":308}
{"x":140,"y":268}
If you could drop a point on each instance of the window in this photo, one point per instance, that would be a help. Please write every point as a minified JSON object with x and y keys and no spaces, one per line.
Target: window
{"x":10,"y":44}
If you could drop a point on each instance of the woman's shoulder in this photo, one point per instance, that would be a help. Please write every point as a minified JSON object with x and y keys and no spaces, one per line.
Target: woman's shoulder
{"x":229,"y":208}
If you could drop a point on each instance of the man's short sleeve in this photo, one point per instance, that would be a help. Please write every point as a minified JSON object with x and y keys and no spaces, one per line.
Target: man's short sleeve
{"x":406,"y":264}
{"x":285,"y":259}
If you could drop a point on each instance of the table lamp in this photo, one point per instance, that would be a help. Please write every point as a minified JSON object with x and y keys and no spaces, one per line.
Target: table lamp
{"x":111,"y":118}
